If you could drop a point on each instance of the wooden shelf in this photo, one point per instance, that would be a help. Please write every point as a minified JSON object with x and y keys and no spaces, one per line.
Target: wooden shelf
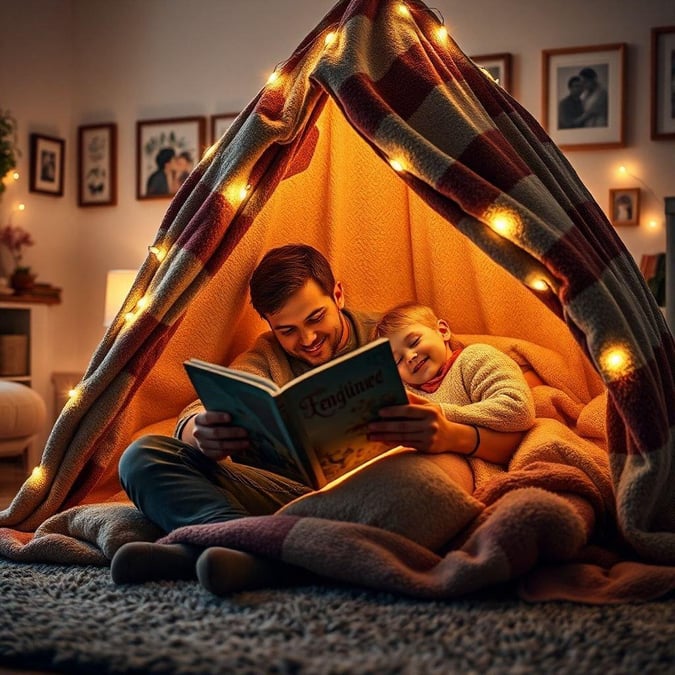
{"x":27,"y":299}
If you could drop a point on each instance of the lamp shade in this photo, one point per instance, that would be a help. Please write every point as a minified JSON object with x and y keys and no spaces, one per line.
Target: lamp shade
{"x":117,"y":286}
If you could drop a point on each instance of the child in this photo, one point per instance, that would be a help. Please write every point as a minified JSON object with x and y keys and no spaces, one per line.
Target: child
{"x":476,"y":386}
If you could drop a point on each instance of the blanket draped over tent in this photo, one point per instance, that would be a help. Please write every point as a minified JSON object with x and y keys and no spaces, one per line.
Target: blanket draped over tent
{"x":379,"y":142}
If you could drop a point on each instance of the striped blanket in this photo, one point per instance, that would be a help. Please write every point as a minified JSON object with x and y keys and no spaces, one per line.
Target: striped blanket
{"x":381,"y":143}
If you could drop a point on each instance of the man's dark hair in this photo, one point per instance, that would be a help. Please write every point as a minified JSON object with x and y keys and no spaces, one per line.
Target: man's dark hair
{"x":164,"y":156}
{"x":588,"y":73}
{"x":284,"y":271}
{"x":573,"y":80}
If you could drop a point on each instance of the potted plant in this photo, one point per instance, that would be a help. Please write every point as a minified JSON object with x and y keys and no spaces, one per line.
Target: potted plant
{"x":9,"y":151}
{"x":15,"y":239}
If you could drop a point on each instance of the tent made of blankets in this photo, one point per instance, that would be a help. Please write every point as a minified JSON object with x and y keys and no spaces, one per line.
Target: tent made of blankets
{"x":381,"y":143}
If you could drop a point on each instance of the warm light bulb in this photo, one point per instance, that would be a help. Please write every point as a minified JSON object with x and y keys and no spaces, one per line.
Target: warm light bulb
{"x":159,"y":253}
{"x":129,"y":317}
{"x":330,"y":38}
{"x":504,"y":223}
{"x":236,"y":193}
{"x":37,"y":474}
{"x":72,"y":393}
{"x":623,"y":170}
{"x":16,"y":175}
{"x":442,"y":33}
{"x":538,"y":284}
{"x":143,"y":302}
{"x":653,"y":224}
{"x":21,"y":207}
{"x":396,"y":165}
{"x":403,"y":10}
{"x":615,"y":361}
{"x":273,"y":77}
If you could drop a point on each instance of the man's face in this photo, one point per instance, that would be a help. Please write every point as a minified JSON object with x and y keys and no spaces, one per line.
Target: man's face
{"x":310,"y":326}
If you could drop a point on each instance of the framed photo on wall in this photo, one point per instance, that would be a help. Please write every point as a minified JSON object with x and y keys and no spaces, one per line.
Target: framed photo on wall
{"x":663,"y":83}
{"x":624,"y":206}
{"x":46,"y":165}
{"x":499,"y":66}
{"x":97,"y":165}
{"x":583,"y":95}
{"x":220,"y":124}
{"x":166,"y":151}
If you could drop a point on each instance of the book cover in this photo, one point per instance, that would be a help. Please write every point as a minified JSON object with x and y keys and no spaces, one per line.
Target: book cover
{"x":312,"y":429}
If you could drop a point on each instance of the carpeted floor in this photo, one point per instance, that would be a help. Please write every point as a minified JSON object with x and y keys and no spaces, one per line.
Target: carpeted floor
{"x":75,"y":620}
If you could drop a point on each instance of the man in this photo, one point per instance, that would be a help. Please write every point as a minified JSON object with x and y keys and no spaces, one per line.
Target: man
{"x":570,"y":108}
{"x":188,"y":480}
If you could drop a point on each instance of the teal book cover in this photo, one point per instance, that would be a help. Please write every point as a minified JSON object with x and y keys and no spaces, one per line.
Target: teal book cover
{"x":313,"y":429}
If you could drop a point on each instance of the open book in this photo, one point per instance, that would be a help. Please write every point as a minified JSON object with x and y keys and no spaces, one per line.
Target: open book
{"x":313,"y":429}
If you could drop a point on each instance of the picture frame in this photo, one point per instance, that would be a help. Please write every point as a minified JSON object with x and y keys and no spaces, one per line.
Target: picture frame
{"x":166,"y":151}
{"x":500,"y":67}
{"x":97,"y":165}
{"x":663,"y":83}
{"x":46,"y":165}
{"x":624,"y":206}
{"x":583,"y":96}
{"x":220,"y":124}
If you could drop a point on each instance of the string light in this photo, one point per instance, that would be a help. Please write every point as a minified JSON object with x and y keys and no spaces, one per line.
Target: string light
{"x":159,"y":253}
{"x":615,"y":361}
{"x":37,"y":475}
{"x":273,"y":77}
{"x":330,"y":38}
{"x":403,"y":10}
{"x":504,"y":223}
{"x":538,"y":284}
{"x":236,"y":193}
{"x":396,"y":165}
{"x":442,"y":33}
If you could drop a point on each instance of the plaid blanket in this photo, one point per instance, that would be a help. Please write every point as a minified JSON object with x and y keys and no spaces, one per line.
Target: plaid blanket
{"x":383,"y":144}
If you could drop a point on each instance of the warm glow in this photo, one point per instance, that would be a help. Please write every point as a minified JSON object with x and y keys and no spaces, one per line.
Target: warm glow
{"x":73,"y":393}
{"x":37,"y":475}
{"x":330,"y":38}
{"x":442,"y":33}
{"x":653,"y":224}
{"x":403,"y":10}
{"x":129,"y":317}
{"x":615,"y":361}
{"x":273,"y":77}
{"x":143,"y":302}
{"x":159,"y":253}
{"x":623,"y":170}
{"x":538,"y":284}
{"x":504,"y":223}
{"x":21,"y":207}
{"x":16,"y":175}
{"x":235,"y":193}
{"x":396,"y":165}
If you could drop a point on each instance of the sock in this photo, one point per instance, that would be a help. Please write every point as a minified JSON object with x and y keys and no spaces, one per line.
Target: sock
{"x":141,"y":561}
{"x":225,"y":570}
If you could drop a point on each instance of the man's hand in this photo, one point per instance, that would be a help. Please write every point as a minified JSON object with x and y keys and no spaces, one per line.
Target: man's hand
{"x":420,"y":425}
{"x":212,"y":434}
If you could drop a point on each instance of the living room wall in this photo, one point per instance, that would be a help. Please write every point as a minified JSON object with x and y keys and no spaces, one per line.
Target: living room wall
{"x":66,"y":63}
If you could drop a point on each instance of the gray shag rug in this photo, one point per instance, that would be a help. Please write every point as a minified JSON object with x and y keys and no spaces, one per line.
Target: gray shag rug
{"x":75,"y":620}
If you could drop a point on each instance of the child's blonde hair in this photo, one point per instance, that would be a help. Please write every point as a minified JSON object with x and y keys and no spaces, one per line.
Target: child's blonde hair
{"x":403,"y":315}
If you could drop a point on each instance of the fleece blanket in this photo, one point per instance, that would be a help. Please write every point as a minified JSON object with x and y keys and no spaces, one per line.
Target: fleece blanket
{"x":381,"y":143}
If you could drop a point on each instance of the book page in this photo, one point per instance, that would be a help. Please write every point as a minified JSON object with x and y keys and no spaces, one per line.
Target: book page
{"x":332,"y":405}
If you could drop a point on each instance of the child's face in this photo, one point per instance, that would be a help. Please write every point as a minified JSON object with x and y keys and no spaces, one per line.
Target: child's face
{"x":420,"y":351}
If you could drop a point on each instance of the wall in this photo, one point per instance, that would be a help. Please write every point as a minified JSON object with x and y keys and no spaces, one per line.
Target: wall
{"x":72,"y":62}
